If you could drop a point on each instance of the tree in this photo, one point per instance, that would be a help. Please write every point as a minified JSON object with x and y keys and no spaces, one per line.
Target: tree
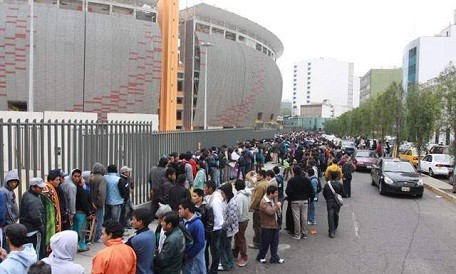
{"x":446,"y":87}
{"x":423,"y":110}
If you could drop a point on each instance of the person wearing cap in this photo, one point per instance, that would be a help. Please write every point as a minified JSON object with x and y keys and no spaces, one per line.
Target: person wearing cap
{"x":125,"y":188}
{"x":69,"y":190}
{"x":159,"y":232}
{"x":22,"y":254}
{"x":157,"y":176}
{"x":31,"y":214}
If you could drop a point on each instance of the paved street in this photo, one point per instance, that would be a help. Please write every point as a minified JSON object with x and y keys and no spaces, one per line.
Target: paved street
{"x":377,"y":234}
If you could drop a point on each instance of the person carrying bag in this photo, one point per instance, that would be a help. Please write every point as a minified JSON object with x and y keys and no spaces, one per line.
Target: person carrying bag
{"x":333,"y":192}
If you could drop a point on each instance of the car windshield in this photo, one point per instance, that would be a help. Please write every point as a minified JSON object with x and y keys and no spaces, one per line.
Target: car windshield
{"x":440,"y":150}
{"x":397,"y":166}
{"x":365,"y":154}
{"x":348,"y":144}
{"x":442,"y":158}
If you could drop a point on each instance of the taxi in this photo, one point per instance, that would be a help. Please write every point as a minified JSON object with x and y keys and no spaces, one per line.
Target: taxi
{"x":410,"y":155}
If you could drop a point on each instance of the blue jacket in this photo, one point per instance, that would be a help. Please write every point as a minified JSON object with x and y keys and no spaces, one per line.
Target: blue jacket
{"x":144,"y":246}
{"x":196,"y":228}
{"x":113,"y":196}
{"x":3,"y":209}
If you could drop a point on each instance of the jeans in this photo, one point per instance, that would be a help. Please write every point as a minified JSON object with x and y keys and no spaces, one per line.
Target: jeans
{"x":299,"y":210}
{"x":241,"y":170}
{"x":99,"y":219}
{"x":113,"y":212}
{"x":311,"y":216}
{"x":347,"y":187}
{"x":37,"y":240}
{"x":196,"y":264}
{"x":79,"y":224}
{"x":256,"y":227}
{"x":125,"y":213}
{"x":240,"y":243}
{"x":333,"y":216}
{"x":226,"y":251}
{"x":269,"y":240}
{"x":215,"y":250}
{"x":222,"y":175}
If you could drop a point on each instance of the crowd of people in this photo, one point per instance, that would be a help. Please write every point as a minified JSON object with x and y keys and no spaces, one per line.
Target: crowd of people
{"x":202,"y":201}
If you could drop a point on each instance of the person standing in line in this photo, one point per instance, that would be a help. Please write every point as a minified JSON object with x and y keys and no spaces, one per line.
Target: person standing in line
{"x":347,"y":170}
{"x":83,"y":211}
{"x":64,"y":245}
{"x":114,"y":200}
{"x":230,"y":226}
{"x":331,"y":204}
{"x":69,"y":189}
{"x":299,"y":191}
{"x":157,"y":176}
{"x":258,"y":193}
{"x":143,"y":243}
{"x":10,"y":183}
{"x":178,"y":192}
{"x":194,"y":255}
{"x":126,"y":188}
{"x":31,"y":215}
{"x":169,"y":259}
{"x":240,"y":244}
{"x":116,"y":256}
{"x":200,"y":177}
{"x":269,"y":211}
{"x":207,"y":216}
{"x":22,"y":254}
{"x":312,"y":216}
{"x":97,"y":184}
{"x":215,"y":200}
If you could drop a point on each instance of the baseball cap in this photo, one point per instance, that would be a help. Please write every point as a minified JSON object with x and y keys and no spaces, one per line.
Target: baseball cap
{"x":124,"y":169}
{"x":37,"y":182}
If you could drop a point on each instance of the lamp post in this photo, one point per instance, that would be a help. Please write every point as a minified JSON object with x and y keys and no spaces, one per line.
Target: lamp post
{"x":205,"y":45}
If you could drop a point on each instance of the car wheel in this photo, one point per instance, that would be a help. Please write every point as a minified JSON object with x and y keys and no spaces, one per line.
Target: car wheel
{"x":431,"y":173}
{"x":419,"y":195}
{"x":380,"y":189}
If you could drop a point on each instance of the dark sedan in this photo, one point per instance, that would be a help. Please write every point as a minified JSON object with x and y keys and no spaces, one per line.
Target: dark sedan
{"x":393,"y":175}
{"x":364,"y":159}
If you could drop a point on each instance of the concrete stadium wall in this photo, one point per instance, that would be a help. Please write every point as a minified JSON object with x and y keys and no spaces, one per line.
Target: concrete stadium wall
{"x":241,"y":83}
{"x":121,"y":57}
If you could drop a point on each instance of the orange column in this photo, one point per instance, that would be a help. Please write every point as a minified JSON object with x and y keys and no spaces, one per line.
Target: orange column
{"x":168,"y":18}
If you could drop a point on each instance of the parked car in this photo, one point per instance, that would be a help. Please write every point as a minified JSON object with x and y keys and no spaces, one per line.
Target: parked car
{"x":437,"y":164}
{"x":364,"y":159}
{"x":410,"y":155}
{"x":347,"y":147}
{"x":393,"y":175}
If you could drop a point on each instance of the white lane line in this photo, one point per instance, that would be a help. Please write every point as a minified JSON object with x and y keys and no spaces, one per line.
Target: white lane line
{"x":355,"y":224}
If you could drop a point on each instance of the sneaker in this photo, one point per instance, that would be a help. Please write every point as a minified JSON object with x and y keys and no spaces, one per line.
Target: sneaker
{"x":242,"y":262}
{"x":263,"y":261}
{"x":297,"y":237}
{"x":281,"y":261}
{"x":304,"y":236}
{"x":254,"y":246}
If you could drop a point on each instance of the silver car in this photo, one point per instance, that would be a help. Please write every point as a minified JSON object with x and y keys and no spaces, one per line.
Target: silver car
{"x":437,"y":164}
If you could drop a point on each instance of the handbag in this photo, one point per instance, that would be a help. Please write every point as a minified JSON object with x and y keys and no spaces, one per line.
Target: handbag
{"x":338,"y":197}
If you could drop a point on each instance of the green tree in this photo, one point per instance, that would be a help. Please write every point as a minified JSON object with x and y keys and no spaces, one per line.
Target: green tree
{"x":423,"y":110}
{"x":446,"y":87}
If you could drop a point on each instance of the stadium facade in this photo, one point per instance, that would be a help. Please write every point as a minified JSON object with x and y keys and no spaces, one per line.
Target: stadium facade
{"x":105,"y":56}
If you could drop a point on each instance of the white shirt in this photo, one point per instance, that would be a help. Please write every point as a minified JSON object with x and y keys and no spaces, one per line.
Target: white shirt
{"x":216,"y":202}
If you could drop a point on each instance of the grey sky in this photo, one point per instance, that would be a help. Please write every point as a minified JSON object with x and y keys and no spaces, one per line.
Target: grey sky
{"x":371,"y":34}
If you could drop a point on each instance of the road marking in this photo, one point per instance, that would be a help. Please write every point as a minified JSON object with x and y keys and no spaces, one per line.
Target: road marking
{"x":355,"y":224}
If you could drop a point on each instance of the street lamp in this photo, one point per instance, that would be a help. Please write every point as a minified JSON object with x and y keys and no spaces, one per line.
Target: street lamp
{"x":205,"y":45}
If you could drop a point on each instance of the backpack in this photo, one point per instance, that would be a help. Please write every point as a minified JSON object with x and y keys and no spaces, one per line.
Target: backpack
{"x":222,"y":161}
{"x":188,"y":239}
{"x":180,"y":169}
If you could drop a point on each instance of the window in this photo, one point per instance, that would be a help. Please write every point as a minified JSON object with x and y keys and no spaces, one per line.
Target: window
{"x":241,"y":38}
{"x":196,"y":75}
{"x":259,"y":47}
{"x":71,"y":4}
{"x":17,"y":105}
{"x":146,"y":16}
{"x":98,"y":8}
{"x":294,"y":88}
{"x":180,"y":75}
{"x":260,"y":115}
{"x":122,"y":11}
{"x":308,"y":82}
{"x":179,"y":115}
{"x":230,"y":36}
{"x":180,"y":85}
{"x":179,"y":100}
{"x":271,"y":117}
{"x":217,"y":31}
{"x":203,"y":28}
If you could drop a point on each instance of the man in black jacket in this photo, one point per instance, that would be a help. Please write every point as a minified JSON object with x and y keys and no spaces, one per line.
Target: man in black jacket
{"x":299,"y":191}
{"x":331,"y":204}
{"x":31,"y":215}
{"x":125,"y":188}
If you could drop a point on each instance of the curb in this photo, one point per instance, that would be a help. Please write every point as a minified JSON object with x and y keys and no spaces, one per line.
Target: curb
{"x":448,"y":196}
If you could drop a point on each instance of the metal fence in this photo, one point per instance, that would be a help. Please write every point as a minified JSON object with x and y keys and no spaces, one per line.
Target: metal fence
{"x":32,"y":148}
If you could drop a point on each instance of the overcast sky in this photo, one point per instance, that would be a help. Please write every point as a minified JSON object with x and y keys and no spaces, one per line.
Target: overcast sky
{"x":371,"y":34}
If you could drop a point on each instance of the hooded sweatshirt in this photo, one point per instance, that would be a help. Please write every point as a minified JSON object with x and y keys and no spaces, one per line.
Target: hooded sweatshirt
{"x":64,"y":246}
{"x":12,"y":214}
{"x":243,"y":199}
{"x":18,"y":262}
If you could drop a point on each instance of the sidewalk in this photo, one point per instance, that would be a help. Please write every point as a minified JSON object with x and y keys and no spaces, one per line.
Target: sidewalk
{"x":439,"y":187}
